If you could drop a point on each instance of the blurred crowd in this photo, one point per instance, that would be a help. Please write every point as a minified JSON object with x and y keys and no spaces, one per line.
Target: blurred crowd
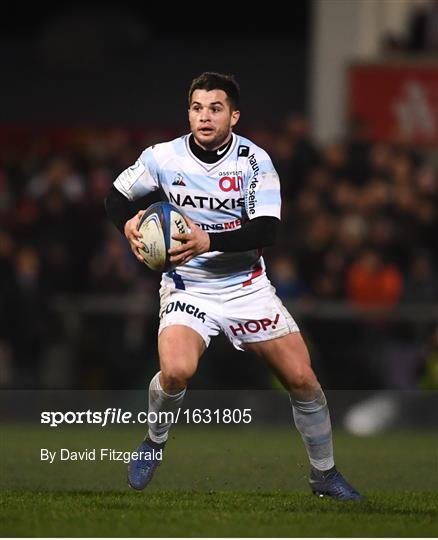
{"x":360,"y":225}
{"x":360,"y":219}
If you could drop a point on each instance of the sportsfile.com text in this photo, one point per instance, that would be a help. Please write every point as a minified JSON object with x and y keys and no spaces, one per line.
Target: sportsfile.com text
{"x":113,"y":415}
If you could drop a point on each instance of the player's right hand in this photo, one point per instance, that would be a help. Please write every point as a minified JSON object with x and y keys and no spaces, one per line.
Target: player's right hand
{"x":133,"y":234}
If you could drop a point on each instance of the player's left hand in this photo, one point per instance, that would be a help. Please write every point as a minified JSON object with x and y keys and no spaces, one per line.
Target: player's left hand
{"x":195,"y":243}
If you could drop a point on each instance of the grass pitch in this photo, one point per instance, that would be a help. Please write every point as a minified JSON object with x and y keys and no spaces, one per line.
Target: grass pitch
{"x":216,"y":482}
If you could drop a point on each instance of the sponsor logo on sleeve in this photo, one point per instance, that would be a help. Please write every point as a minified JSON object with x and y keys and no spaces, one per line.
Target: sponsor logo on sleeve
{"x":131,"y":175}
{"x":251,"y":195}
{"x":243,"y":151}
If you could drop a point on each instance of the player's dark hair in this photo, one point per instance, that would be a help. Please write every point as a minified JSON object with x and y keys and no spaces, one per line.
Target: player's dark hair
{"x":217,"y":81}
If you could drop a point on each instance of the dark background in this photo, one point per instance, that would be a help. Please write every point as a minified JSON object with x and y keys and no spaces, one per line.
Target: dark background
{"x":81,"y":63}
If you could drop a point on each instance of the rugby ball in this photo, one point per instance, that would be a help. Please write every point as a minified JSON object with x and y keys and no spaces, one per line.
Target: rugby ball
{"x":157,"y":225}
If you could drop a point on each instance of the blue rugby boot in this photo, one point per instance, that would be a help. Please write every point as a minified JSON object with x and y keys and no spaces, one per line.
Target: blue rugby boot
{"x":142,"y":469}
{"x":332,"y":484}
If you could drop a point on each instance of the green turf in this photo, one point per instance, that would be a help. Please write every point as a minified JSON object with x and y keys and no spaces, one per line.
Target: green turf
{"x":178,"y":513}
{"x":216,"y":482}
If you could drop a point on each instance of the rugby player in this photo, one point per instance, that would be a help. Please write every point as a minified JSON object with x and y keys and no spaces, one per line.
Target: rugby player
{"x":230,"y":191}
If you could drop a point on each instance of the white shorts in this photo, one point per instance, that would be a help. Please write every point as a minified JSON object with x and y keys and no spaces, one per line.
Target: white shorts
{"x":247,"y":314}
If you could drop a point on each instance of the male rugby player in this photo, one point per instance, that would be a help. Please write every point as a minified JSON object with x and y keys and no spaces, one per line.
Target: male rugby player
{"x":227,"y":185}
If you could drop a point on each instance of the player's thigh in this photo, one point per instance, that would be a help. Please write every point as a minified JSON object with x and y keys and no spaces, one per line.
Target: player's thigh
{"x":184,"y":308}
{"x":180,"y":348}
{"x":289,"y":358}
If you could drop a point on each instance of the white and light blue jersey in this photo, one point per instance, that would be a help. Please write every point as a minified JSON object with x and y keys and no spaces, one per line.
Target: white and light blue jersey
{"x":217,"y":196}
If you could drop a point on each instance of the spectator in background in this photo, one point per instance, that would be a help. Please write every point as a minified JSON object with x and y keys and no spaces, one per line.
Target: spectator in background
{"x":57,"y":233}
{"x":284,"y":277}
{"x":28,"y":314}
{"x":329,"y":283}
{"x":336,"y":160}
{"x":58,"y":175}
{"x":423,"y":29}
{"x":380,"y":160}
{"x":304,"y":154}
{"x":421,"y":284}
{"x":316,"y":241}
{"x":358,"y":149}
{"x":371,"y":282}
{"x":112,"y":268}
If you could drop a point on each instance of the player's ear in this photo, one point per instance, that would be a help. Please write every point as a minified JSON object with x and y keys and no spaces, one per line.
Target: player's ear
{"x":235,"y":115}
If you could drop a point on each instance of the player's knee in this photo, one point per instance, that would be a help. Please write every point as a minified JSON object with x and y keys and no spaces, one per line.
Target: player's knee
{"x":175,"y":378}
{"x":303,"y":380}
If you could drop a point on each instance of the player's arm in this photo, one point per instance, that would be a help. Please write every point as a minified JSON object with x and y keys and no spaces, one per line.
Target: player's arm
{"x":125,"y":216}
{"x":127,"y":195}
{"x":260,"y":232}
{"x":119,"y":209}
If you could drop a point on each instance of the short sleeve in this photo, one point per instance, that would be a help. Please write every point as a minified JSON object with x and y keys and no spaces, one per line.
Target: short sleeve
{"x":140,"y":178}
{"x":262,"y":194}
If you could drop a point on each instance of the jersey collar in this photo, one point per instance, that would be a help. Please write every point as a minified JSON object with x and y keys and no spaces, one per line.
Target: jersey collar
{"x":226,"y":149}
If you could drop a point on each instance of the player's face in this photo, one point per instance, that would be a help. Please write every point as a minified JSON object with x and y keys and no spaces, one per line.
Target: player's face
{"x":211,"y":118}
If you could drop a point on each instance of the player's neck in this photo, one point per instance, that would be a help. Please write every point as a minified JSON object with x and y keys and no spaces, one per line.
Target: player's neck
{"x":209,"y":156}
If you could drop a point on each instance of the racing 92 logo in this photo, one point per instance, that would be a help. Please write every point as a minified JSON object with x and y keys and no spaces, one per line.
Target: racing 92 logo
{"x":231,"y":183}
